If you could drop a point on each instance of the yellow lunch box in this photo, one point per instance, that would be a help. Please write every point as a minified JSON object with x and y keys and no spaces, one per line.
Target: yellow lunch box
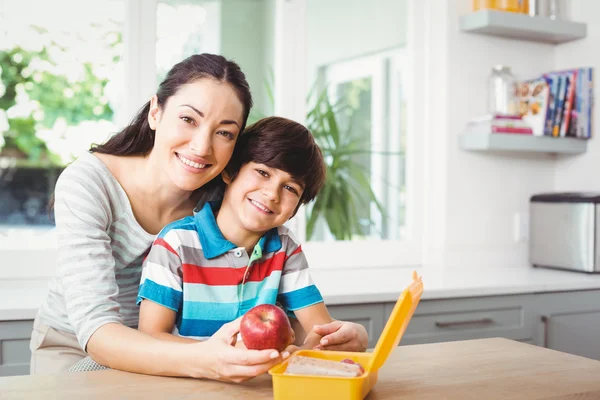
{"x":312,"y":387}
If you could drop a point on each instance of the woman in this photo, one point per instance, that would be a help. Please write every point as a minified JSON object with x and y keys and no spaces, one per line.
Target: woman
{"x":109,"y":206}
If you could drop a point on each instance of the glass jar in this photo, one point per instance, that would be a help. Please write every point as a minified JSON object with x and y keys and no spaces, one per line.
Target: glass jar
{"x":502,"y":87}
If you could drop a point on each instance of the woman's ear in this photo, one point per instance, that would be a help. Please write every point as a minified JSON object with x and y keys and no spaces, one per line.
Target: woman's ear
{"x":154,"y":113}
{"x":226,"y":177}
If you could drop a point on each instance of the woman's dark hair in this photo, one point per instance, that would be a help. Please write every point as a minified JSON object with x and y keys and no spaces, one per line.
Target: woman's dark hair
{"x":282,"y":144}
{"x":138,"y":139}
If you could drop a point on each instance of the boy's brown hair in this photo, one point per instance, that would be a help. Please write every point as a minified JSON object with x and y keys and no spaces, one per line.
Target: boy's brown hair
{"x":285,"y":145}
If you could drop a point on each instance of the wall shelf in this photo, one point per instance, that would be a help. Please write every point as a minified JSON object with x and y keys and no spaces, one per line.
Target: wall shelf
{"x":496,"y":142}
{"x":522,"y":26}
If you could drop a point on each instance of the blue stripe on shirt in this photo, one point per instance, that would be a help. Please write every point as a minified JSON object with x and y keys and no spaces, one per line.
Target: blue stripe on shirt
{"x":301,"y":298}
{"x":214,"y":311}
{"x":198,"y":327}
{"x":165,"y":296}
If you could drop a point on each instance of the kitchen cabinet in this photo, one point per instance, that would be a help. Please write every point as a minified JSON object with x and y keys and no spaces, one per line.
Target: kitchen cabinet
{"x":569,"y":322}
{"x":446,"y":320}
{"x":14,"y":347}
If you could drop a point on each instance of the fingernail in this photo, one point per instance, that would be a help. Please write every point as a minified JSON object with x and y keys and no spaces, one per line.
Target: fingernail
{"x":274,"y":354}
{"x":324,"y":342}
{"x":285,"y":354}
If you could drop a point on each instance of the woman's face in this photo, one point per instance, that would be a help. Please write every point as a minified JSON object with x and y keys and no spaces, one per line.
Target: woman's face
{"x":196,"y":131}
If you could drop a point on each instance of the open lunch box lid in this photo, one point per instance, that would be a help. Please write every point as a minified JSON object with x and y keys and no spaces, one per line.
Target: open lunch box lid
{"x":396,"y":325}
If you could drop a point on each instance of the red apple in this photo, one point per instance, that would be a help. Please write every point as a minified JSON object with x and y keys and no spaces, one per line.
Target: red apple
{"x":266,"y":327}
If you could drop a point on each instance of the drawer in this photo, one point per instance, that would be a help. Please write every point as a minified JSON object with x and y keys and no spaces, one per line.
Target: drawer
{"x":14,"y":347}
{"x":473,"y":318}
{"x":371,"y":316}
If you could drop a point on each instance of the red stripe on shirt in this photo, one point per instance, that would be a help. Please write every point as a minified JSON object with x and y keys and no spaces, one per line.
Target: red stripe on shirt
{"x":216,"y":276}
{"x":161,"y":242}
{"x":298,"y":250}
{"x":260,"y":271}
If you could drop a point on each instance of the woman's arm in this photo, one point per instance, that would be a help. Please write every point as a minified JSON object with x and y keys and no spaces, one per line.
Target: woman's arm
{"x":127,"y":349}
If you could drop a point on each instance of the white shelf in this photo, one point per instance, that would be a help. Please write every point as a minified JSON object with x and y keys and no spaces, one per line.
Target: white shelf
{"x":522,"y":26}
{"x":496,"y":142}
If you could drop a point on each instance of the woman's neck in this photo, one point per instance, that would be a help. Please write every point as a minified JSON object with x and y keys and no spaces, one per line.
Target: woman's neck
{"x":158,"y":190}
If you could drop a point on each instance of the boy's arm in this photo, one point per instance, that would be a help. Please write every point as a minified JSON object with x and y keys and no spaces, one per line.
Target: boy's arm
{"x":310,"y":316}
{"x":158,"y":321}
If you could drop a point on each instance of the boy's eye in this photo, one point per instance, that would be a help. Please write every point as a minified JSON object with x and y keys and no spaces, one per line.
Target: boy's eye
{"x":291,"y":189}
{"x":228,"y":135}
{"x":263,"y":173}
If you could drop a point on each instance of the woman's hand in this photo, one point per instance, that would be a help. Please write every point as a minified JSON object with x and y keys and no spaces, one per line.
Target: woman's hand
{"x":342,"y":336}
{"x":229,"y":362}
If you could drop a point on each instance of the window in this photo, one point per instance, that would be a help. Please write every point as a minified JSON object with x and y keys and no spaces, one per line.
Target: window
{"x":357,"y":55}
{"x":63,"y":83}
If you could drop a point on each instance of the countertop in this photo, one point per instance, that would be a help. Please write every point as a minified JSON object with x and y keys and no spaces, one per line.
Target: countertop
{"x":20,"y":299}
{"x":474,"y":369}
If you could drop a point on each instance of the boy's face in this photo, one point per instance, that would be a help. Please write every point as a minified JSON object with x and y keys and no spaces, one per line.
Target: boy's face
{"x":261,"y":198}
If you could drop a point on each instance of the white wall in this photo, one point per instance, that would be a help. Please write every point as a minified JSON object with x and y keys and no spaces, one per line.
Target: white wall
{"x":580,"y":173}
{"x":481,"y":193}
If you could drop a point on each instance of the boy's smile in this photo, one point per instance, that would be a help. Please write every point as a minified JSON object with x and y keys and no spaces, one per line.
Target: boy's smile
{"x":258,"y":199}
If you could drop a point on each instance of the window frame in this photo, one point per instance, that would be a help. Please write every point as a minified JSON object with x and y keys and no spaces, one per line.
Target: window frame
{"x":361,"y":253}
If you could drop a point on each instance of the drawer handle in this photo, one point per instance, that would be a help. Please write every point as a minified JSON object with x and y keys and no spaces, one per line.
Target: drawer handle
{"x":482,"y":321}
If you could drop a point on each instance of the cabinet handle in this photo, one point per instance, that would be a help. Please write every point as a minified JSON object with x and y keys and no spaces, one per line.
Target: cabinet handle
{"x":545,"y":320}
{"x":482,"y":321}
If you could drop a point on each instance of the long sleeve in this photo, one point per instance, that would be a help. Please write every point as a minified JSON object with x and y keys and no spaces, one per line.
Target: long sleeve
{"x":86,"y":263}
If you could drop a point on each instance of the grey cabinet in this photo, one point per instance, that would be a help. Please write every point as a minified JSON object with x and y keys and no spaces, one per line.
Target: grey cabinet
{"x":470,"y":318}
{"x":564,"y":321}
{"x":14,"y":347}
{"x":569,"y":322}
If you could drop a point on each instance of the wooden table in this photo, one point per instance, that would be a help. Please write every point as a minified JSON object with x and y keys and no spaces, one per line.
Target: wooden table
{"x":473,"y":369}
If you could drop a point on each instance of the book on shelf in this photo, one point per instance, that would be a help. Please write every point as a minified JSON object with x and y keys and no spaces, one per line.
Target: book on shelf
{"x":559,"y":103}
{"x":499,"y":123}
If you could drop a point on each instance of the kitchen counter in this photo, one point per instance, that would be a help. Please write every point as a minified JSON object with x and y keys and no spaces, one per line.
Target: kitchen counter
{"x":473,"y":369}
{"x":20,"y":299}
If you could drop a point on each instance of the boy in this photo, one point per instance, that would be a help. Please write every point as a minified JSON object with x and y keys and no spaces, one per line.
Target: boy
{"x":209,"y":269}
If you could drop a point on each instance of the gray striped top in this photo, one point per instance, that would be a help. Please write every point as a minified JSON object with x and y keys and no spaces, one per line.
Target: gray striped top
{"x":101,"y":247}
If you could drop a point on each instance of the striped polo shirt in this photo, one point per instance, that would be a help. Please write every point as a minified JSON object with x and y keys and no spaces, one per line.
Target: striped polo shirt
{"x":209,"y":281}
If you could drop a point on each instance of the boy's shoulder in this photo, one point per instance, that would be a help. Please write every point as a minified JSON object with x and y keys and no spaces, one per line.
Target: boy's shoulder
{"x":184,"y":224}
{"x":287,"y":237}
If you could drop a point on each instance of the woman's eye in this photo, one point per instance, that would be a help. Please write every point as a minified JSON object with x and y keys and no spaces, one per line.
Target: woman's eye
{"x":228,"y":135}
{"x":187,"y":120}
{"x":263,"y":173}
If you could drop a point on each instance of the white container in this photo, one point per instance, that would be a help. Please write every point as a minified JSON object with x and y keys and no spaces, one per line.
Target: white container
{"x":502,"y":91}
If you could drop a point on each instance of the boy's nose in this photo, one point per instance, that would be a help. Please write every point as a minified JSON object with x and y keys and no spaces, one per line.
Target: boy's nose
{"x":271,"y":192}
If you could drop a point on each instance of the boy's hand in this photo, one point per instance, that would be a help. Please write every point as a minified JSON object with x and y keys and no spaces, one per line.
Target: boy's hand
{"x":342,"y":336}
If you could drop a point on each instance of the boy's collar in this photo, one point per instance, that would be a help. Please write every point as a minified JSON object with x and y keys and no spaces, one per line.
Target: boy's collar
{"x":214,"y":243}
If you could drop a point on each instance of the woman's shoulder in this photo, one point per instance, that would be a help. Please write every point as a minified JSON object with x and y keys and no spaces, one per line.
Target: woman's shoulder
{"x":88,"y":175}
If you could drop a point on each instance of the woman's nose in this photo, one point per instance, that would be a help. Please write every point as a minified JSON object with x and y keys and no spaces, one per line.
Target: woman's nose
{"x":201,"y":143}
